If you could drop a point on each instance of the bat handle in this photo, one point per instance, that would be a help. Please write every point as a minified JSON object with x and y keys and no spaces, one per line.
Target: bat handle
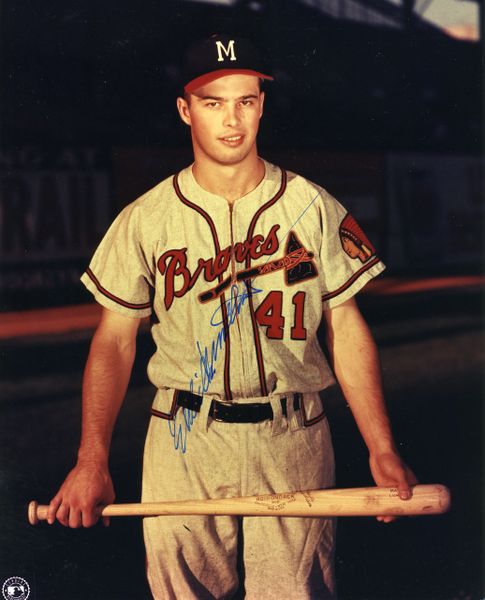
{"x":38,"y":512}
{"x":33,"y":512}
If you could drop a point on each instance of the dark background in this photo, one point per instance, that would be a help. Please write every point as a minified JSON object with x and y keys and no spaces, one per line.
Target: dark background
{"x":348,"y":95}
{"x":107,"y":73}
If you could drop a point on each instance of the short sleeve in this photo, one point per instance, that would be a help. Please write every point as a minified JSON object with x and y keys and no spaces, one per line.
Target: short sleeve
{"x":119,"y":274}
{"x":348,"y":258}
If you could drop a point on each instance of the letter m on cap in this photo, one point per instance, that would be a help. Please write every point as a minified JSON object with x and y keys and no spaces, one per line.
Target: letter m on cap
{"x":229,"y":51}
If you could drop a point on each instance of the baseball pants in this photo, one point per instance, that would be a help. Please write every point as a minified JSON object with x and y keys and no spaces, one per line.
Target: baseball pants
{"x":196,"y":457}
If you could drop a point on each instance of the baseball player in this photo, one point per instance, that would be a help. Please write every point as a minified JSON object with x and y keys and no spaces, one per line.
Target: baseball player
{"x":235,"y":260}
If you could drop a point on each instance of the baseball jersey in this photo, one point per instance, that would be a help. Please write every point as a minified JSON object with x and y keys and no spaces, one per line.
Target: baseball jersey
{"x":235,"y":292}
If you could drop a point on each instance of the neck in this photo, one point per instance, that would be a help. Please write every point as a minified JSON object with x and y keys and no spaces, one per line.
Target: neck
{"x":230,"y":181}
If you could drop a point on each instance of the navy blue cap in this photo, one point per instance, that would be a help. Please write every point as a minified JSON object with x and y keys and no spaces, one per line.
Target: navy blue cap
{"x":221,"y":55}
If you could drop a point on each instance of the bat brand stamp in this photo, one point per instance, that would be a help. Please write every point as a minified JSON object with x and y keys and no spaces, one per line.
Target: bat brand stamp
{"x":275,"y":501}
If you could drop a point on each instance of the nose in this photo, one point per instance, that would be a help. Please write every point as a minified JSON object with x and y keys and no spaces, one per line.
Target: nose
{"x":231,"y":115}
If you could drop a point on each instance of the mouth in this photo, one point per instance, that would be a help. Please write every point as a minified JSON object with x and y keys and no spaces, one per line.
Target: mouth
{"x":232,"y":140}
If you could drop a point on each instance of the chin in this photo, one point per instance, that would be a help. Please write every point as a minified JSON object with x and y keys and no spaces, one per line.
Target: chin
{"x":234,"y":157}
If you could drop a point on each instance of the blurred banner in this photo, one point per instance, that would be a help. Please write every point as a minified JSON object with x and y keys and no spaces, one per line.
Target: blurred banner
{"x":435,"y":211}
{"x":54,"y":207}
{"x":422,"y":212}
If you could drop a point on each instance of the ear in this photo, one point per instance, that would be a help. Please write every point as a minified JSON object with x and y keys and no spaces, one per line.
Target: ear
{"x":261,"y":103}
{"x":184,"y":110}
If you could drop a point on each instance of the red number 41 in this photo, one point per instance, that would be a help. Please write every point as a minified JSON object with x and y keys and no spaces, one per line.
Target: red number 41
{"x":270,"y":314}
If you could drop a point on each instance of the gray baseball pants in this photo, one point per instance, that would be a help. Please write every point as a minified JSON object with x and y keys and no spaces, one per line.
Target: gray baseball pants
{"x":195,"y":457}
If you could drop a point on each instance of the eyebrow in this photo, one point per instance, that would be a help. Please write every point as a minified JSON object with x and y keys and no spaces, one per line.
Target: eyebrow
{"x":220,"y":98}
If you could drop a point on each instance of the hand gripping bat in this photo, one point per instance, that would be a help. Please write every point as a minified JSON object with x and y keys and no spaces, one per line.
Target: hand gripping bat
{"x":430,"y":499}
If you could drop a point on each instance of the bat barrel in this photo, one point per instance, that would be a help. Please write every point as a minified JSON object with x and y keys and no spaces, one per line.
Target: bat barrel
{"x":428,"y":499}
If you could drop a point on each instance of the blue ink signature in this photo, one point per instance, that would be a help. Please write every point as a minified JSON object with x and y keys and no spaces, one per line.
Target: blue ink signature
{"x":207,"y":359}
{"x":234,"y":304}
{"x":179,"y":431}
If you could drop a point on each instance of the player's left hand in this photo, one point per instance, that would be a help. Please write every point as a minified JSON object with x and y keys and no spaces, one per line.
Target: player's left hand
{"x":388,"y":469}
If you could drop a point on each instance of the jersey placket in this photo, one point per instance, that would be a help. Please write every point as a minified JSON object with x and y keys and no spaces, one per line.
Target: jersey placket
{"x":242,"y":369}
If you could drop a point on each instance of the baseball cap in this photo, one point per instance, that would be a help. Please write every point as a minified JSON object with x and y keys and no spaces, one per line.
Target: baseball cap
{"x":220,"y":55}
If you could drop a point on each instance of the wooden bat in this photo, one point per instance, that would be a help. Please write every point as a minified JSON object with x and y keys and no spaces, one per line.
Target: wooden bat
{"x":428,"y":499}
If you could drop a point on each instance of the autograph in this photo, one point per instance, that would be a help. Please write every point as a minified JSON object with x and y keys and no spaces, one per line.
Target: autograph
{"x":179,"y":428}
{"x":183,"y":422}
{"x":207,"y":370}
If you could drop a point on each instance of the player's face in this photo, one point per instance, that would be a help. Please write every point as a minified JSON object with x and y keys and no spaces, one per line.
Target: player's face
{"x":224,"y":118}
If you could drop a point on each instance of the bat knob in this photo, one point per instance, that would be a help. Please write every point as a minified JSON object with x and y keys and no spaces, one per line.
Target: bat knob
{"x":32,"y":512}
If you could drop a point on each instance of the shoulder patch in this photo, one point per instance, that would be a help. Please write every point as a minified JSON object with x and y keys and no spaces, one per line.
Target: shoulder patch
{"x":354,"y":241}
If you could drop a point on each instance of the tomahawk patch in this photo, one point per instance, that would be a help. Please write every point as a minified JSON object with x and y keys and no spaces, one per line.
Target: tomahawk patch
{"x":304,"y":269}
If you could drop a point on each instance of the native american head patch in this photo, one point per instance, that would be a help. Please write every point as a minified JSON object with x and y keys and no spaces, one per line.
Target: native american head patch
{"x":354,"y":241}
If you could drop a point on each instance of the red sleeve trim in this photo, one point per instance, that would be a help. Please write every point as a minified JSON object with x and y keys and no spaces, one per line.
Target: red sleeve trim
{"x":348,"y":283}
{"x":111,"y":296}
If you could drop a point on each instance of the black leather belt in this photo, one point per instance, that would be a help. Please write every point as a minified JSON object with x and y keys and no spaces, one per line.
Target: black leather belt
{"x":233,"y":412}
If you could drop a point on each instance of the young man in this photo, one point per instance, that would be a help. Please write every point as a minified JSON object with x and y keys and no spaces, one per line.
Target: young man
{"x":236,"y":260}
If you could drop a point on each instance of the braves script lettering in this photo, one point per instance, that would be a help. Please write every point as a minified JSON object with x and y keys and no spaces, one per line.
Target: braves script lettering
{"x":172,"y":264}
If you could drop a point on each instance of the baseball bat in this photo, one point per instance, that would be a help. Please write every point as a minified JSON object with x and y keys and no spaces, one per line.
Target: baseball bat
{"x":427,"y":499}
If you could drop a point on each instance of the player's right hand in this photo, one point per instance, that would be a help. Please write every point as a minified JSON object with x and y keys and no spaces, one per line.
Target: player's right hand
{"x":86,"y":486}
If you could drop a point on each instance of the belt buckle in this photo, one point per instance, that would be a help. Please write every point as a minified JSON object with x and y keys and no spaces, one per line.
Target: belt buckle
{"x":218,"y":405}
{"x":234,"y":412}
